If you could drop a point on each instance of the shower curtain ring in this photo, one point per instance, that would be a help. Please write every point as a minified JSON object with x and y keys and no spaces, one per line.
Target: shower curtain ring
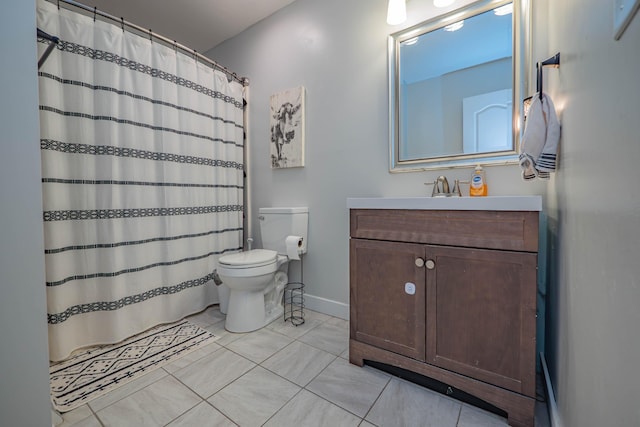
{"x":95,"y":12}
{"x":122,"y":23}
{"x":58,"y":4}
{"x":150,"y":35}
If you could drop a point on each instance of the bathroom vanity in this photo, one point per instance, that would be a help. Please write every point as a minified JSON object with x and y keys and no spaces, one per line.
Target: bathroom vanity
{"x":446,"y":288}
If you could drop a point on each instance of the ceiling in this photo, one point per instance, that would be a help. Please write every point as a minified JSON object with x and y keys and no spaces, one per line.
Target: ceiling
{"x":197,"y":24}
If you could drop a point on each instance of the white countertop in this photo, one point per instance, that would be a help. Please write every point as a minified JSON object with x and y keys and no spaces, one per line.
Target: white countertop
{"x":488,"y":203}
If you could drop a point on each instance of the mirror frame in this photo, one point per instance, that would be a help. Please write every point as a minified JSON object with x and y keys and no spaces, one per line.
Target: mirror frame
{"x":521,"y":54}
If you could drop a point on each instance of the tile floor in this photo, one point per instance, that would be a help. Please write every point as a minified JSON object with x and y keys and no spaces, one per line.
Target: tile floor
{"x":279,"y":376}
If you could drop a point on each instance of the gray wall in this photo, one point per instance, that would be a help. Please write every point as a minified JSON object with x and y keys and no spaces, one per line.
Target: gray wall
{"x":594,"y":215}
{"x":423,"y":131}
{"x":24,"y":391}
{"x":338,"y":51}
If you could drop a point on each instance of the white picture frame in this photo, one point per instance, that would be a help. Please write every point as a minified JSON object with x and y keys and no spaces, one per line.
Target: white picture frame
{"x":286,"y":122}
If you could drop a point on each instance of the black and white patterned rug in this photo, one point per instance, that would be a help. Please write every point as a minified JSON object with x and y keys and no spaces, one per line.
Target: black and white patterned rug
{"x":98,"y":370}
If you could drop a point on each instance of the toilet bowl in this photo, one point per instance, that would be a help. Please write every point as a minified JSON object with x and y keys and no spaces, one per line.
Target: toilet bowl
{"x":256,"y":278}
{"x":251,"y":279}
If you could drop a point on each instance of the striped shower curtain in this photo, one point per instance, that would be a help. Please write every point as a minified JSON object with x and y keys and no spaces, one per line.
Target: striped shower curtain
{"x":142,"y":165}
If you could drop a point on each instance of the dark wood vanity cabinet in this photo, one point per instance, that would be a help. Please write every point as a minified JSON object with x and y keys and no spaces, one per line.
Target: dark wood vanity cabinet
{"x":450,"y":295}
{"x":387,"y":316}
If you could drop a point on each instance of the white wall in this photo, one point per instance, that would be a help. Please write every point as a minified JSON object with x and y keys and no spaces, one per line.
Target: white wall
{"x":24,"y":391}
{"x":338,"y":51}
{"x":594,"y":340}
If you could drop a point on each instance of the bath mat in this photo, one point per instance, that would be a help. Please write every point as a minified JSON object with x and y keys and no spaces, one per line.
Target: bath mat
{"x":100,"y":369}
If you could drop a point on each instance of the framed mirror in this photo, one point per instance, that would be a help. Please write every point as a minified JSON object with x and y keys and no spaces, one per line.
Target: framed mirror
{"x":455,"y":87}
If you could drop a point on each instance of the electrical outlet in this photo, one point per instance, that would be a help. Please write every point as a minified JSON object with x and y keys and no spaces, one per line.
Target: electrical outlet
{"x":623,"y":12}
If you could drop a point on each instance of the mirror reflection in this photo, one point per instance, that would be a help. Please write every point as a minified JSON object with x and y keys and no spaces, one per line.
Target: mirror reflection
{"x":452,"y":86}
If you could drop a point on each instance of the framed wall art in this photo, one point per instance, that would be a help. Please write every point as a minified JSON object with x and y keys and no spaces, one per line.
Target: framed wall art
{"x":287,"y":128}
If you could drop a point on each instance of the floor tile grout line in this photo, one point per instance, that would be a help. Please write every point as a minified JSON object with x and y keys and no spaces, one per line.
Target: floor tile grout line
{"x":95,"y":415}
{"x":335,"y":357}
{"x":202,"y":399}
{"x":253,"y":368}
{"x":318,"y":348}
{"x":338,"y":405}
{"x":184,"y":412}
{"x":245,"y":357}
{"x":161,"y":368}
{"x":376,"y":400}
{"x":195,"y":360}
{"x":223,"y":414}
{"x":220,"y":346}
{"x":321,"y":371}
{"x":335,"y":404}
{"x":272,"y":371}
{"x":169,"y":374}
{"x":285,"y":404}
{"x":186,"y":386}
{"x":459,"y":415}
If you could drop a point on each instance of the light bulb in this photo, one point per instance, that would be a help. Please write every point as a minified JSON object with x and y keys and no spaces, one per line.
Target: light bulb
{"x":411,"y":41}
{"x":455,"y":26}
{"x":397,"y":12}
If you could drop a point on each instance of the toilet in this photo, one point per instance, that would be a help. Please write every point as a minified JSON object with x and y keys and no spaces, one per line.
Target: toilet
{"x":256,"y":278}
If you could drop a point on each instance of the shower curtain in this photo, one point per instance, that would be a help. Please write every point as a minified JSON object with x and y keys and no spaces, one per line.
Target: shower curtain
{"x":142,"y":165}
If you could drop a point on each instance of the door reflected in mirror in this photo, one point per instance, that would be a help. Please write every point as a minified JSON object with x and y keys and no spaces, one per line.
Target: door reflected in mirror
{"x":452,"y":87}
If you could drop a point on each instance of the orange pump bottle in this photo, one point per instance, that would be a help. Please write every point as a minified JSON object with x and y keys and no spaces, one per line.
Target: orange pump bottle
{"x":478,"y":184}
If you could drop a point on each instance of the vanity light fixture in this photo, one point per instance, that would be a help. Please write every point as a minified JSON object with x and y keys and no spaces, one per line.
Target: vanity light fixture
{"x":396,"y":12}
{"x":455,"y":26}
{"x":507,"y":9}
{"x":443,"y":3}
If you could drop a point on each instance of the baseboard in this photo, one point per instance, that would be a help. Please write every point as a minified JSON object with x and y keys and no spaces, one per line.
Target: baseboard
{"x":327,"y":306}
{"x":554,"y":415}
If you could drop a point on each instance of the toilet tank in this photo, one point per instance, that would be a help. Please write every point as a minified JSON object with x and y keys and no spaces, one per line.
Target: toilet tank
{"x":278,"y":223}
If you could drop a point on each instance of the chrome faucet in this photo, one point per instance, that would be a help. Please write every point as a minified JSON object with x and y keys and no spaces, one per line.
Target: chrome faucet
{"x":441,"y":187}
{"x":445,"y":185}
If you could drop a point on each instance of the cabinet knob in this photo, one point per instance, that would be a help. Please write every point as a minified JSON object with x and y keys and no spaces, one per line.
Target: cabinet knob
{"x":430,"y":264}
{"x":419,"y":262}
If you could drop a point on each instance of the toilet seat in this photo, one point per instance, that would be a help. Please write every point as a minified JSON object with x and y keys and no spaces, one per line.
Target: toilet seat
{"x":249,"y":259}
{"x":251,"y":263}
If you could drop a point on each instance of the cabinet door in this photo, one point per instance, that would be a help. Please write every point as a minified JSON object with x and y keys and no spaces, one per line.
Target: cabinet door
{"x":481,"y":315}
{"x":387,"y":305}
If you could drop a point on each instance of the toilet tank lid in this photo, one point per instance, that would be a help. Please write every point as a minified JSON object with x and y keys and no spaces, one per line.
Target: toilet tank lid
{"x":283,"y":210}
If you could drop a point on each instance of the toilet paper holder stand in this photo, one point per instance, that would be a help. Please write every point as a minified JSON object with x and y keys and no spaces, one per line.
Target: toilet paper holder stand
{"x":294,"y":299}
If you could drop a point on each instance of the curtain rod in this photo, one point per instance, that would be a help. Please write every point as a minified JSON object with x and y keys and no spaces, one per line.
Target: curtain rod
{"x":95,"y":11}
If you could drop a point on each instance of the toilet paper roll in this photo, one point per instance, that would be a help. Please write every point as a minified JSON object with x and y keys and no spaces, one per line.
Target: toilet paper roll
{"x":293,"y":245}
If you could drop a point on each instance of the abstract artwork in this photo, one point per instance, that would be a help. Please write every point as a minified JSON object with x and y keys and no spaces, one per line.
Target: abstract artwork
{"x":287,"y":128}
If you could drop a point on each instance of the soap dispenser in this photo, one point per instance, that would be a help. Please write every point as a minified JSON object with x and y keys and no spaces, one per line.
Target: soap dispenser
{"x":478,"y":185}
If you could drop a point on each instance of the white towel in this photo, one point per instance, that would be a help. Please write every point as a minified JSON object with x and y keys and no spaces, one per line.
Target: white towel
{"x":539,"y":146}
